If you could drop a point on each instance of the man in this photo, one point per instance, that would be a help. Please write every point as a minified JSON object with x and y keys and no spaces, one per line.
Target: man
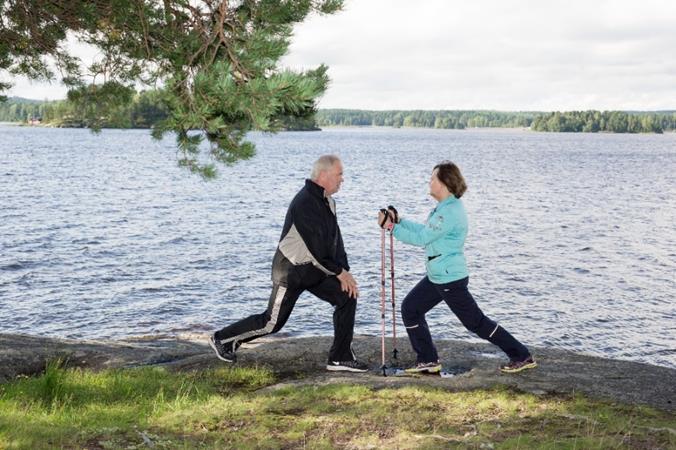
{"x":310,"y":256}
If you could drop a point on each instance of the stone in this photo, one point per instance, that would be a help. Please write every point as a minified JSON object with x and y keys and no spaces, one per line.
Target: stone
{"x":302,"y":361}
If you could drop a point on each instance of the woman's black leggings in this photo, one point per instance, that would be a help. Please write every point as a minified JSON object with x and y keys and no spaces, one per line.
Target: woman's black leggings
{"x":426,"y":295}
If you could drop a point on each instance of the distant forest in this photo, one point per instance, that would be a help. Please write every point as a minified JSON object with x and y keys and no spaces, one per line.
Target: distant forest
{"x":147,"y":108}
{"x":570,"y":121}
{"x":144,"y":110}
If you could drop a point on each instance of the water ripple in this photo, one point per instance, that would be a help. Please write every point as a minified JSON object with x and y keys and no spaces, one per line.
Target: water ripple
{"x":568,"y":247}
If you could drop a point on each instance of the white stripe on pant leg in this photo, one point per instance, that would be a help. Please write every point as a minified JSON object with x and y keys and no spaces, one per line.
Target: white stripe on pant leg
{"x":496,"y":329}
{"x":410,"y":328}
{"x":268,"y":326}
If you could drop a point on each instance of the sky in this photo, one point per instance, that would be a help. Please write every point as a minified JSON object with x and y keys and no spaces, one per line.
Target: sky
{"x":510,"y":55}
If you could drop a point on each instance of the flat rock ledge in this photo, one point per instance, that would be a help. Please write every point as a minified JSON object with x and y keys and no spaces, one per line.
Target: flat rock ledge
{"x":302,"y":361}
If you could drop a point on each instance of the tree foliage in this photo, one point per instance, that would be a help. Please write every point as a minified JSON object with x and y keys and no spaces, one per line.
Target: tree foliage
{"x":216,"y":60}
{"x":609,"y":121}
{"x":570,"y":121}
{"x":424,"y":119}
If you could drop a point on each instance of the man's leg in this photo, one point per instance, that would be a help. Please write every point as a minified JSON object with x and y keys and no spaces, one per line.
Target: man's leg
{"x":281,"y":303}
{"x":422,"y":298}
{"x":343,"y":317}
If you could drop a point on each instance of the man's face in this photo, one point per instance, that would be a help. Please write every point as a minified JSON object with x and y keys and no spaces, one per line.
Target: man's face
{"x":331,"y":179}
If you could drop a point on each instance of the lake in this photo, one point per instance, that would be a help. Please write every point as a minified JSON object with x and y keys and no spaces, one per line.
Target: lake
{"x":572,"y":242}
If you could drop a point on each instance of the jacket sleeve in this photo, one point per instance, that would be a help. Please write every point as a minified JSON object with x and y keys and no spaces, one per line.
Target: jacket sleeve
{"x":410,"y":225}
{"x":422,"y":235}
{"x":314,"y":237}
{"x":342,"y":256}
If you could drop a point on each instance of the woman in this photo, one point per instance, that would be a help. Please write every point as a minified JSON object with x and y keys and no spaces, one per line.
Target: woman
{"x":443,"y":237}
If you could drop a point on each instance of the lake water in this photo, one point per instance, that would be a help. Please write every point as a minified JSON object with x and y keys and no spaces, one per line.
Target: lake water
{"x":572,"y":240}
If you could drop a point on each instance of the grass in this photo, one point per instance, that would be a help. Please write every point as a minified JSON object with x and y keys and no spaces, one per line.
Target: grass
{"x":224,"y":408}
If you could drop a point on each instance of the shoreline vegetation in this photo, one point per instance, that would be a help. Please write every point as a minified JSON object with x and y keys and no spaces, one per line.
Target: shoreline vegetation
{"x":146,"y":109}
{"x":173,"y":393}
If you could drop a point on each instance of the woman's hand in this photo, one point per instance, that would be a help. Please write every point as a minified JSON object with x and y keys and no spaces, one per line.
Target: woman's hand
{"x":394,"y":214}
{"x":384,"y":219}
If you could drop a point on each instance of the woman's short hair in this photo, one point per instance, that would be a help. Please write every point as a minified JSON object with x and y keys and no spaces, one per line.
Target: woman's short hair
{"x":449,"y":174}
{"x":325,"y":162}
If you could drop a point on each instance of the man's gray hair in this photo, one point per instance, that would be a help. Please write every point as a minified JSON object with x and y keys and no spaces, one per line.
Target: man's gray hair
{"x":325,"y":162}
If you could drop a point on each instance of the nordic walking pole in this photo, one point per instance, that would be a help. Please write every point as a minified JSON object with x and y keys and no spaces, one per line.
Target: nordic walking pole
{"x":382,"y":293}
{"x":393,"y":215}
{"x":394,"y":308}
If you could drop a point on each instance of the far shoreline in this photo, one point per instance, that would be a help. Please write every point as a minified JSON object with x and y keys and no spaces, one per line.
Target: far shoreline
{"x":370,"y":127}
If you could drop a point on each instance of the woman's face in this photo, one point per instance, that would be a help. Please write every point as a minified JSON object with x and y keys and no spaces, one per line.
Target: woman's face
{"x":438,"y":190}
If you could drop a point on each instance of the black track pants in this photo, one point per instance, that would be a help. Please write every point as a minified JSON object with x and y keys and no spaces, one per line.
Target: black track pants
{"x":283,"y":299}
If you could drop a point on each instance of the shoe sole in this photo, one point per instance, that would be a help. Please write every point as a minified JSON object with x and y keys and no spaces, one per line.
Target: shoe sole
{"x":212,"y":344}
{"x":532,"y":365}
{"x":345,"y":369}
{"x":430,"y":370}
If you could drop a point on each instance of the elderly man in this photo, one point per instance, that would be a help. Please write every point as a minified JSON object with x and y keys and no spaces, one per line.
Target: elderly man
{"x":310,"y":256}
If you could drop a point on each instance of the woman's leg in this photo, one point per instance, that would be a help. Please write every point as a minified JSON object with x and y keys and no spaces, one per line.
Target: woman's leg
{"x":421,"y":299}
{"x":460,"y":300}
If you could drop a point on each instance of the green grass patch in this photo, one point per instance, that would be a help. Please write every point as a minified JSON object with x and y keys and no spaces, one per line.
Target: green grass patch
{"x":223,"y":408}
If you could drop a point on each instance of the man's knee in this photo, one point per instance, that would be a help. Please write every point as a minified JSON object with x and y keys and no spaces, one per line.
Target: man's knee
{"x":343,"y":301}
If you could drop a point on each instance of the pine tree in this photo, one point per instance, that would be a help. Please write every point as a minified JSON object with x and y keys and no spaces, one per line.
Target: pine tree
{"x":217,"y":61}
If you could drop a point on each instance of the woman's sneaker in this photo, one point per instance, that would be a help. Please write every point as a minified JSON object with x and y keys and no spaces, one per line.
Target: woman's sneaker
{"x":347,"y":366}
{"x":518,"y":366}
{"x":428,"y":367}
{"x":224,"y":352}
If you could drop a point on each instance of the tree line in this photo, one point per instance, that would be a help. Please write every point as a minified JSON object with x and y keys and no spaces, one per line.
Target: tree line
{"x":144,"y":110}
{"x":147,"y":108}
{"x":424,"y":119}
{"x":606,"y":121}
{"x":569,"y":121}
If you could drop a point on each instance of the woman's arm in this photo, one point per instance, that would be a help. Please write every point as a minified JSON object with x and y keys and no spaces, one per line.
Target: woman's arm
{"x":421,"y":235}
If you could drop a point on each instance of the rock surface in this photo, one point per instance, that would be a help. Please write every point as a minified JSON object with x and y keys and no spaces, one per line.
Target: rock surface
{"x":302,"y":361}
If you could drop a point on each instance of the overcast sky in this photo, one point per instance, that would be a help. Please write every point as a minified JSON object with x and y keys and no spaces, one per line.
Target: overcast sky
{"x":486,"y":54}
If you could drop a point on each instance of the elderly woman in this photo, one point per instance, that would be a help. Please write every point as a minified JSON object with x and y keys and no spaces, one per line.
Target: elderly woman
{"x":443,"y":237}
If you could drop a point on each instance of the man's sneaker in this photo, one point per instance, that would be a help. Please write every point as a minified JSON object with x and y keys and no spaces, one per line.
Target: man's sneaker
{"x":429,"y":367}
{"x":225,"y":352}
{"x":518,"y":366}
{"x":347,"y":366}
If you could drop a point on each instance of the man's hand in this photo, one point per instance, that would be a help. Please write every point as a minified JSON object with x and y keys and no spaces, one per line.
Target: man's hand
{"x":348,"y":284}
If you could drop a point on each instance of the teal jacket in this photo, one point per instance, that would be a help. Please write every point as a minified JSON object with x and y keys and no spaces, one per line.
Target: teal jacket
{"x":443,"y":236}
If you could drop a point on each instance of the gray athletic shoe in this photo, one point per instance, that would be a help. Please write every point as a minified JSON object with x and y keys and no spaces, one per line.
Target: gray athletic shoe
{"x":518,"y":366}
{"x":347,"y":366}
{"x":224,"y":352}
{"x":429,"y":367}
